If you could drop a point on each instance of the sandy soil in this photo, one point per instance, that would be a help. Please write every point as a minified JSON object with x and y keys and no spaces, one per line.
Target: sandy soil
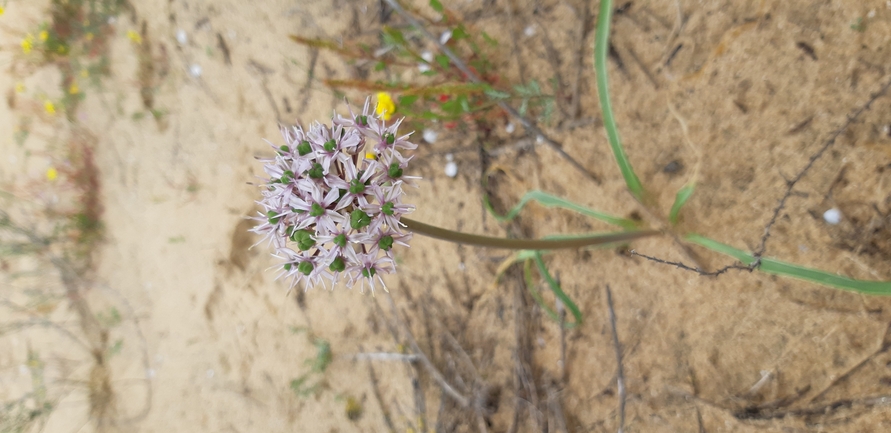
{"x":211,"y":343}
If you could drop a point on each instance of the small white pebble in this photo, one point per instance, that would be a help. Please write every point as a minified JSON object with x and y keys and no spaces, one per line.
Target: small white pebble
{"x":529,"y":31}
{"x":423,"y":67}
{"x":445,"y":36}
{"x":450,"y":157}
{"x":182,"y":37}
{"x":427,"y":56}
{"x":871,"y":14}
{"x":451,"y":169}
{"x":832,"y":216}
{"x":539,"y":139}
{"x":195,"y":70}
{"x":210,"y":373}
{"x":430,"y":136}
{"x":510,"y":128}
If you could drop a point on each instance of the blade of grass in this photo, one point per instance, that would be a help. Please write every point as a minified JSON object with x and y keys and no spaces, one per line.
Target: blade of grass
{"x":684,"y":194}
{"x":550,"y":200}
{"x":601,"y":46}
{"x":777,"y":267}
{"x":555,"y":287}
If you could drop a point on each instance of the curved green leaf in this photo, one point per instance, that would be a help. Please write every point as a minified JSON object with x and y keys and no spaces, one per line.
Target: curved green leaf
{"x":684,"y":194}
{"x":601,"y":46}
{"x":549,"y":200}
{"x":777,"y":267}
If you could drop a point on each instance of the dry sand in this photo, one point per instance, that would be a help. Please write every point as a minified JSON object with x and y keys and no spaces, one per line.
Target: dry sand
{"x":211,"y":343}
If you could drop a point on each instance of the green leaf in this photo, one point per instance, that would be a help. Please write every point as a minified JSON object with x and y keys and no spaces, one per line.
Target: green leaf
{"x":683,"y":195}
{"x":555,"y":287}
{"x":380,"y":66}
{"x":490,"y":40}
{"x":436,"y":5}
{"x":549,"y":200}
{"x":460,"y":33}
{"x":394,"y":36}
{"x":443,"y":60}
{"x":496,"y":94}
{"x":601,"y":45}
{"x":429,"y":73}
{"x":406,"y":100}
{"x":776,"y":267}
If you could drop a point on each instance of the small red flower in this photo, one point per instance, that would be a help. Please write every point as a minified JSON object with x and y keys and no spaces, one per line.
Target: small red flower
{"x":443,"y":97}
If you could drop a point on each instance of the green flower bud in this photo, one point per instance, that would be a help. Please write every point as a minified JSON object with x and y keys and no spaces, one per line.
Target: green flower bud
{"x":285,"y":148}
{"x":303,"y":148}
{"x":304,"y":239}
{"x":317,"y":210}
{"x":338,"y":265}
{"x":387,"y":208}
{"x":394,"y":171}
{"x":305,"y":268}
{"x":362,"y":120}
{"x":385,"y":243}
{"x":340,"y":240}
{"x":287,"y":266}
{"x":390,"y":138}
{"x":330,"y":145}
{"x":359,"y":219}
{"x":368,"y":272}
{"x":273,"y":218}
{"x":316,"y":172}
{"x":356,"y":186}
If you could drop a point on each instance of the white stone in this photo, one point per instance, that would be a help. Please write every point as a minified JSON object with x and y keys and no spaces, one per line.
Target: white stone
{"x":510,"y":128}
{"x":832,"y":216}
{"x":430,"y":136}
{"x":195,"y":70}
{"x":427,"y":56}
{"x":529,"y":31}
{"x":423,"y":67}
{"x":181,"y":37}
{"x":451,"y":169}
{"x":445,"y":36}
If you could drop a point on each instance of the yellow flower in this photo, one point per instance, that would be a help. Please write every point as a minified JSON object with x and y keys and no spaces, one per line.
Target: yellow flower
{"x":28,"y":43}
{"x":135,"y":37}
{"x":20,"y":87}
{"x":385,"y":105}
{"x":51,"y":174}
{"x":2,"y":11}
{"x":73,"y":89}
{"x":49,"y":107}
{"x":89,"y":36}
{"x":44,"y":35}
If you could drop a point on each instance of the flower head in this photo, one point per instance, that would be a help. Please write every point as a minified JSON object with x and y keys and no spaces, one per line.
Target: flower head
{"x":332,"y":202}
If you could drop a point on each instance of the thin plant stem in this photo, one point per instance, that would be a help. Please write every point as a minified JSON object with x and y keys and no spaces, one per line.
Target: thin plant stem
{"x":523,"y":244}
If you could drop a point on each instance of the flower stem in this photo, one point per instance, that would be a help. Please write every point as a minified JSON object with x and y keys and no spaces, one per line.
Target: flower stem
{"x":523,"y":244}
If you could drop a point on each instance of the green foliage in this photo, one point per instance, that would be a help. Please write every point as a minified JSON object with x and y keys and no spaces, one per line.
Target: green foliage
{"x":784,"y":269}
{"x":683,"y":195}
{"x":601,"y":47}
{"x":550,"y":200}
{"x":311,"y":383}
